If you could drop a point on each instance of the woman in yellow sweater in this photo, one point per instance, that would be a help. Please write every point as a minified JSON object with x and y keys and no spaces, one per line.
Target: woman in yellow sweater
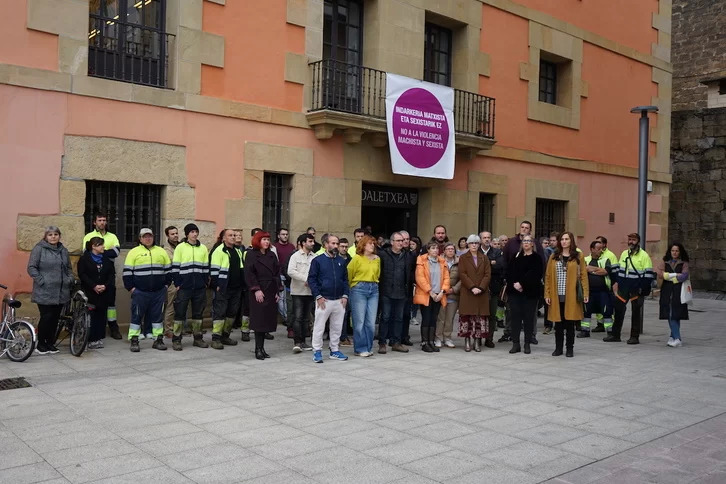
{"x":364,"y":271}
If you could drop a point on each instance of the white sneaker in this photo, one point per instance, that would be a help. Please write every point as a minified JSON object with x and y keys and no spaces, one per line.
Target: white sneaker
{"x":414,"y":321}
{"x":437,"y":343}
{"x":93,"y":345}
{"x":141,"y":336}
{"x":671,"y":342}
{"x":449,"y":344}
{"x":677,"y":343}
{"x":100,"y":343}
{"x":149,"y":336}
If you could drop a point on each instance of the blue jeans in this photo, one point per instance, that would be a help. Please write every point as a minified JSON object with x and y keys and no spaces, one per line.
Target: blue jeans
{"x":392,"y":321}
{"x":364,"y":305}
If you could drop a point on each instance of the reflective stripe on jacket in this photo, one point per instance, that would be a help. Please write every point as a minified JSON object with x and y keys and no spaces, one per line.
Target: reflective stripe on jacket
{"x":190,"y":267}
{"x":219,"y":266}
{"x":147,"y":269}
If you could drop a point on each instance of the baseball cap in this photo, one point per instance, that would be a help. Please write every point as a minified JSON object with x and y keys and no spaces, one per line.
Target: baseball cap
{"x":145,"y":231}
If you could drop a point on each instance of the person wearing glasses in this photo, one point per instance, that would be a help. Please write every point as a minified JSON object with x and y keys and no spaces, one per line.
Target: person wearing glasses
{"x":566,"y":289}
{"x":524,"y":287}
{"x":475,"y":273}
{"x":396,"y":279}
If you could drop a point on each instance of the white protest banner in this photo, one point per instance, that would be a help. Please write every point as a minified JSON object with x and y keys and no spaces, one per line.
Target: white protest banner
{"x":420,"y":123}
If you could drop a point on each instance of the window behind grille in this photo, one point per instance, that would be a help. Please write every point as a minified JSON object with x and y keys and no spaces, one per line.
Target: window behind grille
{"x":128,"y":207}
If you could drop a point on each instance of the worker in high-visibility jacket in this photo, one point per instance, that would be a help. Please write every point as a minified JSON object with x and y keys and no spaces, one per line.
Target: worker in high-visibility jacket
{"x":609,"y":255}
{"x":147,"y":274}
{"x":601,"y":301}
{"x":226,"y":280}
{"x":112,"y":249}
{"x":190,"y":273}
{"x":634,"y":278}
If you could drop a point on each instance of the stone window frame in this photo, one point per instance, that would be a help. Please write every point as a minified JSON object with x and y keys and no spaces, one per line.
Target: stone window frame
{"x":566,"y":51}
{"x":189,"y":47}
{"x":554,"y":190}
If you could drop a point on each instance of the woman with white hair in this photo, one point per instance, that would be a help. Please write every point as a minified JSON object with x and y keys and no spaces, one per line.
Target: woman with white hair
{"x":475,"y":273}
{"x":50,"y":268}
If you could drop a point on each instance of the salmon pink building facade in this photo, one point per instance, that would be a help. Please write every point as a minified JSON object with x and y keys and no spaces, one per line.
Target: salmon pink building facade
{"x":247,"y":113}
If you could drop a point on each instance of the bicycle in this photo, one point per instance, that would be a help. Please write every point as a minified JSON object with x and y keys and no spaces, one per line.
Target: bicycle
{"x":17,"y":338}
{"x":76,"y":321}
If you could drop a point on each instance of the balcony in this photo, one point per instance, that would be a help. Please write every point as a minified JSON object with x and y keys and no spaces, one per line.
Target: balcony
{"x":352,"y":99}
{"x":127,"y":52}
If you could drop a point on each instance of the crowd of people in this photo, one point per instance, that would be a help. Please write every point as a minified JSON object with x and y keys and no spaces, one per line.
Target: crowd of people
{"x":350,"y":288}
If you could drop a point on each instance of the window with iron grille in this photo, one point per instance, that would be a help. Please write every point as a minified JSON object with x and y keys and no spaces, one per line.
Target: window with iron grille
{"x":486,"y":212}
{"x":550,"y":217}
{"x":437,"y":55}
{"x":547,"y":82}
{"x":127,"y":41}
{"x":128,"y":206}
{"x":276,"y":201}
{"x":342,"y":53}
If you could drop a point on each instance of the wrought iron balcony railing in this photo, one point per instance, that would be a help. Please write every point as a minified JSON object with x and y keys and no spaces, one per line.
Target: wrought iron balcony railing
{"x":353,"y":89}
{"x":127,"y":52}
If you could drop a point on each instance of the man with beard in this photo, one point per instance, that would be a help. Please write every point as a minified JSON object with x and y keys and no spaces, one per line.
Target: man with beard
{"x":633,"y":278}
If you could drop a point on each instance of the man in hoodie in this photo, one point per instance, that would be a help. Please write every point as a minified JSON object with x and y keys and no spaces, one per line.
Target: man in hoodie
{"x":190,"y":271}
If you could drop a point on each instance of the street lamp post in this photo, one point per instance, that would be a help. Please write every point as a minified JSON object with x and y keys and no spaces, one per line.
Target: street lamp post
{"x":643,"y":168}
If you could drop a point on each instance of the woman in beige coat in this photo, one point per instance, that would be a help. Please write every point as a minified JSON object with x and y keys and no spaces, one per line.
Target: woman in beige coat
{"x":565,"y":269}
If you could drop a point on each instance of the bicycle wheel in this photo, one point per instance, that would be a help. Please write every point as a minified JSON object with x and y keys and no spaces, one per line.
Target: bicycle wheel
{"x":62,"y":322}
{"x":22,"y":344}
{"x":81,"y":328}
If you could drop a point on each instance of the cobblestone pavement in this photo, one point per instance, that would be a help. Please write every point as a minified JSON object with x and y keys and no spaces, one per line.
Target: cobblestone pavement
{"x":614,"y":413}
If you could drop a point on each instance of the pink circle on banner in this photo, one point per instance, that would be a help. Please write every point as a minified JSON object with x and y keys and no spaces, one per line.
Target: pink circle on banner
{"x":420,"y":128}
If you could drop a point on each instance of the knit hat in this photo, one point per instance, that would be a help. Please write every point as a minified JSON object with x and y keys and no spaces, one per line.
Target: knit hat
{"x":189,"y":227}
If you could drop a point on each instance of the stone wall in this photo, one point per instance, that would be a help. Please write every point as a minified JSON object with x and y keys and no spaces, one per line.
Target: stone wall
{"x":698,"y":193}
{"x":698,"y":49}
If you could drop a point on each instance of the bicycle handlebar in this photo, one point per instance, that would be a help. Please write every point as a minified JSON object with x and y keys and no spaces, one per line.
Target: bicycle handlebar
{"x":3,"y":286}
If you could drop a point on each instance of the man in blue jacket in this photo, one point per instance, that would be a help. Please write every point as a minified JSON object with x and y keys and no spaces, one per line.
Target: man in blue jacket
{"x":328,"y":282}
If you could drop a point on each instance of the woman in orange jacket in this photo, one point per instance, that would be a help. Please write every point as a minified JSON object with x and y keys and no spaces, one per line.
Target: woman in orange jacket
{"x":432,"y":282}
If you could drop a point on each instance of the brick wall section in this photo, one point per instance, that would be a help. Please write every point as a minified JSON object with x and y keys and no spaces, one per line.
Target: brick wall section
{"x":698,"y":193}
{"x":698,"y":49}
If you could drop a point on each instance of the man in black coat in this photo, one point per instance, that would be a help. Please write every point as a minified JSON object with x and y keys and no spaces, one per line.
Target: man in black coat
{"x":393,"y":287}
{"x":496,"y":259}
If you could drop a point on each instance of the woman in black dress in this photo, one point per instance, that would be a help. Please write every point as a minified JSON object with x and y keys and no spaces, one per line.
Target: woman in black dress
{"x":97,"y":275}
{"x":262,"y":275}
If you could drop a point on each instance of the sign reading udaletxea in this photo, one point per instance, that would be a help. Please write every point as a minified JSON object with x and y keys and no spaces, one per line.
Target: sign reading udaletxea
{"x":420,"y":122}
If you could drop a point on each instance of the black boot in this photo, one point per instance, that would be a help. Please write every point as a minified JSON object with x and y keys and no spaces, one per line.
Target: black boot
{"x":467,"y":344}
{"x":570,"y":341}
{"x":477,"y":345}
{"x":527,"y":349}
{"x":432,"y":336}
{"x":559,"y":338}
{"x":259,"y":354}
{"x":516,"y":347}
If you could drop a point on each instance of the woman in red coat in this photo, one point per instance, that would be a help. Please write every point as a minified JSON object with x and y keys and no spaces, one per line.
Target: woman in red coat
{"x":262,"y":275}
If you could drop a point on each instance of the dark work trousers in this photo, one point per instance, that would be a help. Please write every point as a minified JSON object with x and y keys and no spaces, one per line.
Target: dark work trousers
{"x":524,"y":312}
{"x":48,"y":323}
{"x":636,"y":313}
{"x":198,"y":298}
{"x":392,"y":320}
{"x":98,"y":323}
{"x":564,"y":329}
{"x":302,"y":306}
